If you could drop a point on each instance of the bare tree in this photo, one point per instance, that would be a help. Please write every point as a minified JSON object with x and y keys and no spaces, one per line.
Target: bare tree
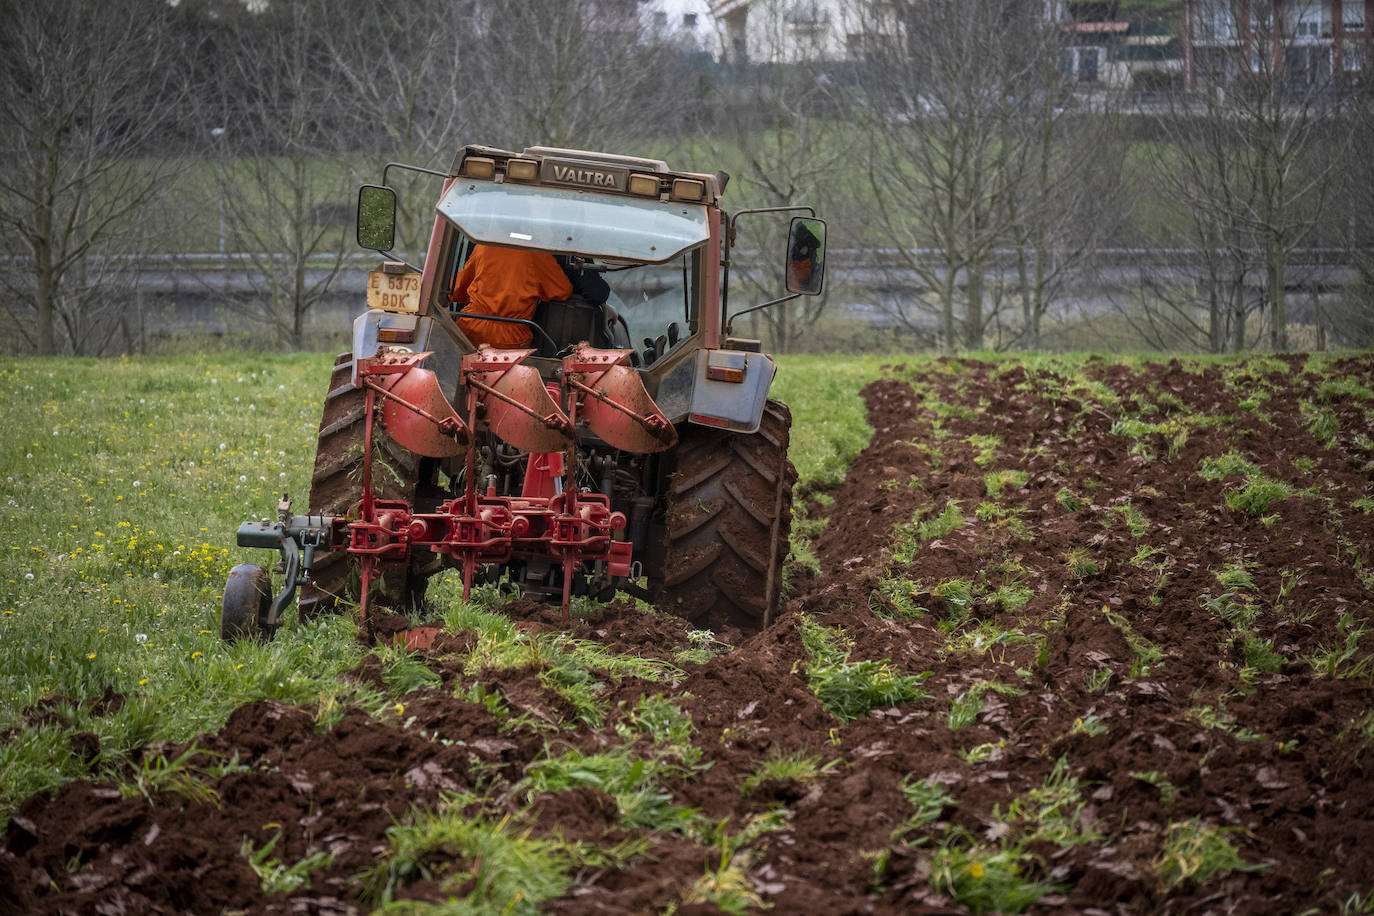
{"x":414,"y":88}
{"x":951,"y":85}
{"x":1068,"y":197}
{"x":779,"y":124}
{"x":84,"y":89}
{"x":1235,"y":161}
{"x":281,"y":180}
{"x":584,"y":74}
{"x":1346,"y":226}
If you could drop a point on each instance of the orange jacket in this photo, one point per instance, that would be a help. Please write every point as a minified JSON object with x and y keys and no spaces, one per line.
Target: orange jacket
{"x":508,"y":282}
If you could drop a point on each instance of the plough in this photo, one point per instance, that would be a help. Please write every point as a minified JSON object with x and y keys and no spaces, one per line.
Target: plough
{"x":551,"y":518}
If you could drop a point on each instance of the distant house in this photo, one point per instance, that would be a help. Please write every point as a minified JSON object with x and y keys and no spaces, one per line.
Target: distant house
{"x":1106,"y":41}
{"x":1117,"y":43}
{"x":687,"y":22}
{"x":784,"y":31}
{"x":1309,"y":41}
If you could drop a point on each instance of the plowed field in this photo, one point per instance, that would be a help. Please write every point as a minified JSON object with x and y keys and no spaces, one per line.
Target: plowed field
{"x":1088,"y":644}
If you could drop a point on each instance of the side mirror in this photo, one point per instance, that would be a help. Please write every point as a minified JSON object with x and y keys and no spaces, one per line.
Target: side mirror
{"x":376,"y":217}
{"x":806,"y":256}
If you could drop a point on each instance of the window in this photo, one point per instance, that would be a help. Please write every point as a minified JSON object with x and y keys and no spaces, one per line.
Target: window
{"x":689,"y":20}
{"x":1305,"y":20}
{"x":1215,"y":22}
{"x":1082,"y":63}
{"x":656,"y":301}
{"x":1352,"y":15}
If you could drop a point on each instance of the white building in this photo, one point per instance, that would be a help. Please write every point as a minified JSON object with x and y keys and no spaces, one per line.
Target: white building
{"x":782,"y":31}
{"x":775,"y":31}
{"x":689,"y":22}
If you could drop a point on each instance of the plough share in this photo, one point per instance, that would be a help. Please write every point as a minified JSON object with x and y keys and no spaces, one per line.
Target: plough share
{"x":552,"y":517}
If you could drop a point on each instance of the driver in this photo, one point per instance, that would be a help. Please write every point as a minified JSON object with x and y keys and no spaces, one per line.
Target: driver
{"x":506,"y":282}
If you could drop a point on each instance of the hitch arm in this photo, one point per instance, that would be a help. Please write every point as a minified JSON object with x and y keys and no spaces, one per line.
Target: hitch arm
{"x":296,"y":540}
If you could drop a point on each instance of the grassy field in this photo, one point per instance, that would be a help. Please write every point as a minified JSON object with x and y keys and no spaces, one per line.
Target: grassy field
{"x":123,"y":483}
{"x":945,"y":607}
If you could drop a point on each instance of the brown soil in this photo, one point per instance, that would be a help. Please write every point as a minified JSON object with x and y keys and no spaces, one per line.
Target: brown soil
{"x":1272,"y":754}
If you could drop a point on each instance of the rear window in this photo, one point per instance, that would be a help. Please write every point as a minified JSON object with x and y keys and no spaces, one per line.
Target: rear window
{"x":556,"y":219}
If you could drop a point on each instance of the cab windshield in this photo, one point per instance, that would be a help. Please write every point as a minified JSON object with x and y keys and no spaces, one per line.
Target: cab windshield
{"x":557,"y":219}
{"x":655,"y":303}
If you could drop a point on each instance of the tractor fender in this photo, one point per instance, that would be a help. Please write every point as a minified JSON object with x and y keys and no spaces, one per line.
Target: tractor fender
{"x":375,"y":329}
{"x":730,"y":389}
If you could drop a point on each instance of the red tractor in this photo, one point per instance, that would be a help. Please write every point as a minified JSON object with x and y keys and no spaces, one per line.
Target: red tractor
{"x":631,"y":445}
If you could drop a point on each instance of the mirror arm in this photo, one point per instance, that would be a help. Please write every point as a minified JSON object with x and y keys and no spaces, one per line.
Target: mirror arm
{"x":409,"y":168}
{"x":730,"y":321}
{"x":731,"y":227}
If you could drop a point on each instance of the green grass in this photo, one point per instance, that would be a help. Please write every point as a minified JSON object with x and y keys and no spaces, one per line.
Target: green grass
{"x":928,"y":799}
{"x":802,"y":768}
{"x":1196,"y":852}
{"x":1258,"y":496}
{"x":500,"y":869}
{"x":902,"y":594}
{"x":1079,"y":564}
{"x":964,"y":709}
{"x":1051,"y":812}
{"x":277,"y":877}
{"x":1135,"y":520}
{"x":631,"y":780}
{"x":997,"y":481}
{"x":984,"y":878}
{"x":848,"y":689}
{"x":1068,"y":501}
{"x":947,"y":522}
{"x":823,"y":394}
{"x":1147,"y":655}
{"x":959,"y":594}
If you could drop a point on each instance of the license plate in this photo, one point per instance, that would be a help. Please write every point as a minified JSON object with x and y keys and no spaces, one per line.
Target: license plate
{"x":393,"y":292}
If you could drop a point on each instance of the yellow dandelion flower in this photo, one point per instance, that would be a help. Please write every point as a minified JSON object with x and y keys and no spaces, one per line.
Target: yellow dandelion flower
{"x":92,"y":655}
{"x":976,"y":869}
{"x":196,"y":654}
{"x":143,"y":683}
{"x":399,"y":709}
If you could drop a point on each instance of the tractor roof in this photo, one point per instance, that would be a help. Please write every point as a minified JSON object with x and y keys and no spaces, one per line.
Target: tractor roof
{"x":584,"y":170}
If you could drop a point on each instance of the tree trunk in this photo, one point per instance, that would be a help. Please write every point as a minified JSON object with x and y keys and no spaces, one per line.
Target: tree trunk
{"x":973,"y":315}
{"x":46,"y":301}
{"x":1237,"y":294}
{"x":1216,"y":342}
{"x":947,"y":310}
{"x":1029,"y":332}
{"x":1274,"y":279}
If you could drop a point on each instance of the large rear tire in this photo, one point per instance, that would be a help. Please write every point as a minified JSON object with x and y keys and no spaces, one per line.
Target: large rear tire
{"x":336,"y":488}
{"x":728,"y":521}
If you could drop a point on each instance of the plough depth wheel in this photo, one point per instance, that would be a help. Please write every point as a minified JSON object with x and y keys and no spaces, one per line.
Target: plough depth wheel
{"x":247,"y":599}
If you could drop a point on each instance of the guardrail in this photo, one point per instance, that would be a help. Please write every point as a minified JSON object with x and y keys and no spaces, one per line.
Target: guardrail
{"x":890,"y":257}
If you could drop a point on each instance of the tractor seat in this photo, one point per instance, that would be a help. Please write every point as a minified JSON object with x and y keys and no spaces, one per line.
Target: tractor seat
{"x":569,"y":322}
